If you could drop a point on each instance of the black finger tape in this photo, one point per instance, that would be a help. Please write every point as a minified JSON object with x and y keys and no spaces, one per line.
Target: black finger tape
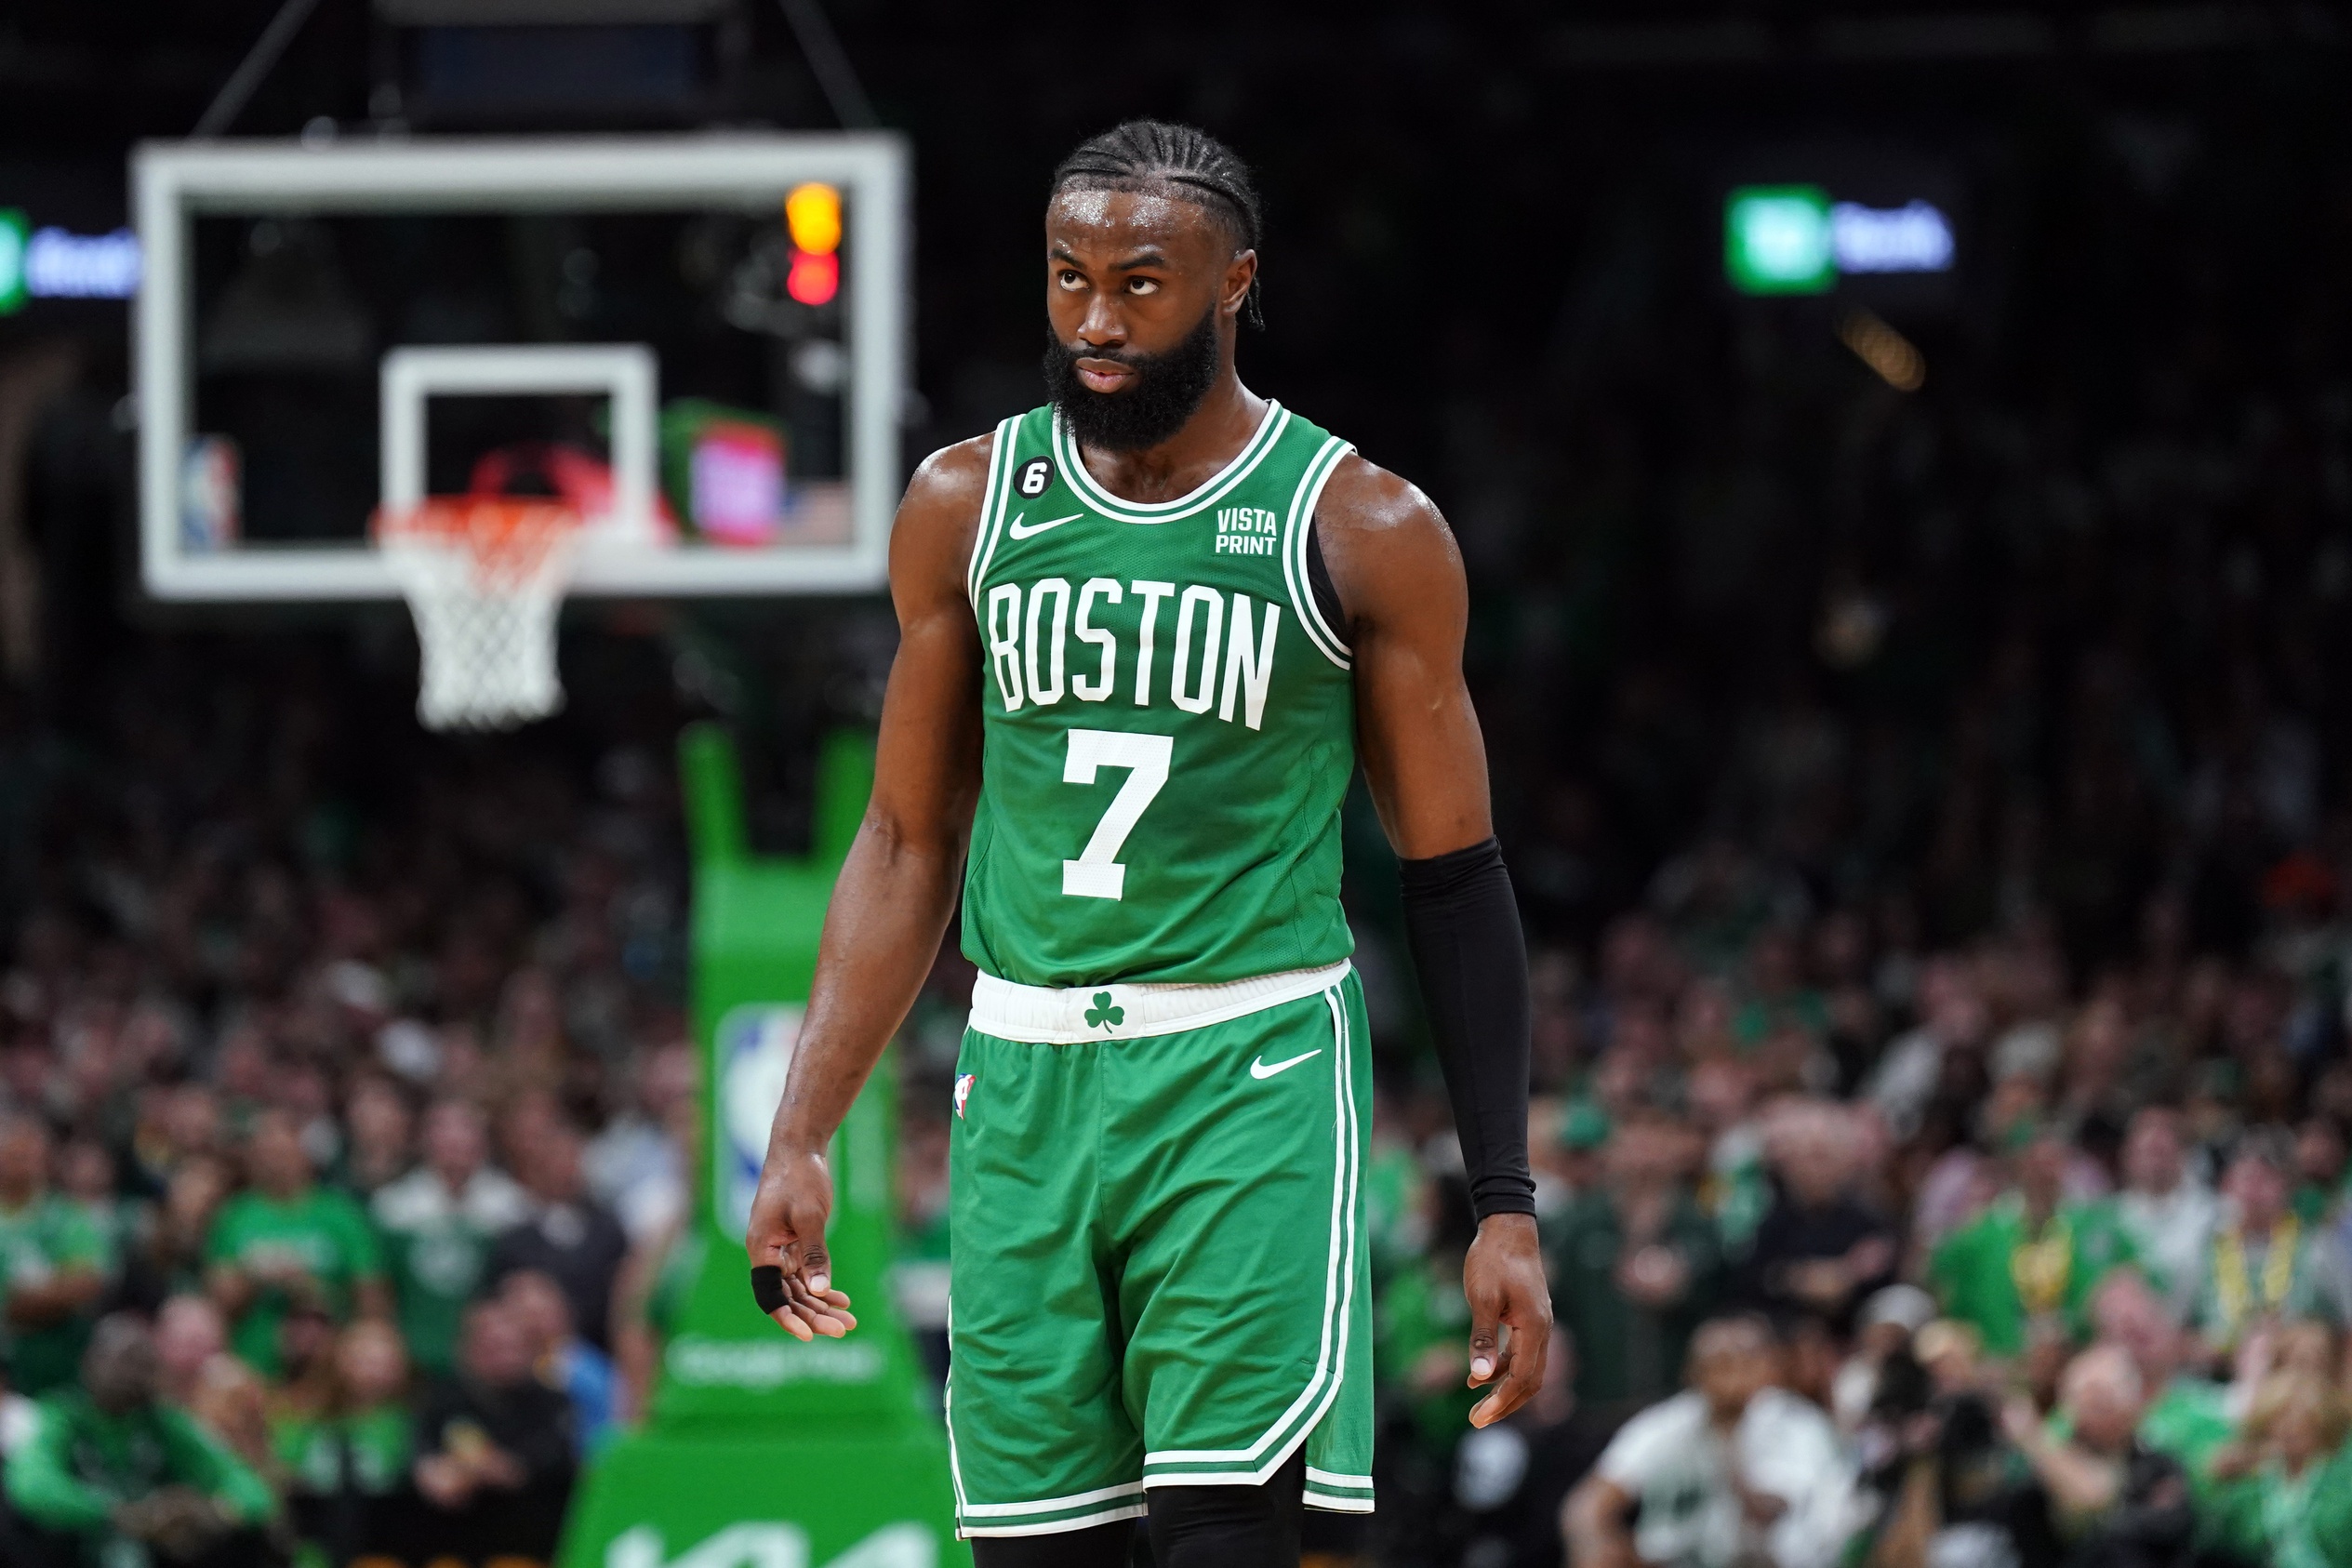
{"x":767,"y":1288}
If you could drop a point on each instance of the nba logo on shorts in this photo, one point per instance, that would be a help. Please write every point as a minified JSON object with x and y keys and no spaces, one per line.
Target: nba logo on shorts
{"x":963,"y":1093}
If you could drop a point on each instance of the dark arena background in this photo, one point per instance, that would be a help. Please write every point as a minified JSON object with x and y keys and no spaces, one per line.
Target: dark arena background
{"x":1903,"y":459}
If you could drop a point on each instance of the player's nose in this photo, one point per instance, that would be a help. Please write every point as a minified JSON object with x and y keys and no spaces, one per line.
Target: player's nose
{"x":1102,"y":328}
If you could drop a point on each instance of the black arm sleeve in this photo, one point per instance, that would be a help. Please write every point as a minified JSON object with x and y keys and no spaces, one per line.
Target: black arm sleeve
{"x":1463,"y":926}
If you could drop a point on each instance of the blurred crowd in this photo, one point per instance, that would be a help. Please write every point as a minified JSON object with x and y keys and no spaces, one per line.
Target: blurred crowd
{"x":343,"y":1102}
{"x":1861,"y":1253}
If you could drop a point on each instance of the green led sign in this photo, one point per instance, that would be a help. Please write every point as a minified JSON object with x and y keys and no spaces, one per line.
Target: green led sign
{"x":15,"y":240}
{"x":1777,"y":239}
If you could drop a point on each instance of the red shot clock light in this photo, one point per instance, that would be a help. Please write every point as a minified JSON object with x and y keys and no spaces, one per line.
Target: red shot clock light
{"x":813,"y":215}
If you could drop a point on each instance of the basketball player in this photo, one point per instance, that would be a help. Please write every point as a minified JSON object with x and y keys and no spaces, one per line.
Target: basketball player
{"x":1147,"y":634}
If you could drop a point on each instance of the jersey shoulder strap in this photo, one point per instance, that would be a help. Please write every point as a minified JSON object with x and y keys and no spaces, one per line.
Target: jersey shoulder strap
{"x":1002,"y":461}
{"x":1312,"y":598}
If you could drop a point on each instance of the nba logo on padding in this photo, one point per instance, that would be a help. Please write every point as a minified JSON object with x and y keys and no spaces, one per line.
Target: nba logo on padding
{"x":754,"y":1051}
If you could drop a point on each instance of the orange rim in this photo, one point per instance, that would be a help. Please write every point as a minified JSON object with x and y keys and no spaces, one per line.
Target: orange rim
{"x":506,"y":530}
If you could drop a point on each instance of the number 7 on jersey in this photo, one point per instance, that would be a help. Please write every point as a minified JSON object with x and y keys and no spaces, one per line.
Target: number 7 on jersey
{"x":1097,"y":872}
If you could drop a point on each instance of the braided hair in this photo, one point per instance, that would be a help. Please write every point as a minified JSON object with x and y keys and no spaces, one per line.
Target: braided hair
{"x":1175,"y":161}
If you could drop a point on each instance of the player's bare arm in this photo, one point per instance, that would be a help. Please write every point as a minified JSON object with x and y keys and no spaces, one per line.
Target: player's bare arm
{"x":897,"y":887}
{"x":1399,"y":576}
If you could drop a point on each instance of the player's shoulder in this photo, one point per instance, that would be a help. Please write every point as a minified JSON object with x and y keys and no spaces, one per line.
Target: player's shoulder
{"x":939,"y":516}
{"x":955,"y":475}
{"x":1385,"y":543}
{"x":1363,"y":498}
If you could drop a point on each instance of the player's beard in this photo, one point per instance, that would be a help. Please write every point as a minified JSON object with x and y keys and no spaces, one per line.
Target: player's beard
{"x":1163,"y":393}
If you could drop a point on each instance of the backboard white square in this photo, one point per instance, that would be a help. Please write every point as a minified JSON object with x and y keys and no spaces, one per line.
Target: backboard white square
{"x":624,"y":373}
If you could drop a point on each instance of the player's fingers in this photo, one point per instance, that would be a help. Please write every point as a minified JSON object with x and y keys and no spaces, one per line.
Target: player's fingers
{"x":1486,"y":1349}
{"x":1521,"y":1376}
{"x":828,"y":1313}
{"x":816,"y":1268}
{"x":789,"y":1322}
{"x":775,"y":1263}
{"x":834,"y":1312}
{"x":1498,"y":1366}
{"x":767,"y":1286}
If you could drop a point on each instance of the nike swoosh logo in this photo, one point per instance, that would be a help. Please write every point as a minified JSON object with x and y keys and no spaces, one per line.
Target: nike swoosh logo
{"x":1015,"y":528}
{"x":1258,"y":1068}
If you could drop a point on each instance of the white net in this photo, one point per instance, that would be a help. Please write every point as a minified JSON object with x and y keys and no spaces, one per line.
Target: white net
{"x":485,"y":578}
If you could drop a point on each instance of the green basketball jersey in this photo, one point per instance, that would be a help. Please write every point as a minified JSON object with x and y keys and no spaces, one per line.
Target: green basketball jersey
{"x":1169,"y":723}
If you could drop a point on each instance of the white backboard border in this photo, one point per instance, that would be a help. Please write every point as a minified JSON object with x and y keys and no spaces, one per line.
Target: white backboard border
{"x":626,"y":375}
{"x":175,"y":181}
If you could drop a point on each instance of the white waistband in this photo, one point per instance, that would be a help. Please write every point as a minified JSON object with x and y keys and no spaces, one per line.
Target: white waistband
{"x":1054,"y":1015}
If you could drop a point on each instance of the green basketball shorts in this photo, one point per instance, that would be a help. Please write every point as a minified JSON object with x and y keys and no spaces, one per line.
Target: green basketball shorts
{"x":1158,"y":1248}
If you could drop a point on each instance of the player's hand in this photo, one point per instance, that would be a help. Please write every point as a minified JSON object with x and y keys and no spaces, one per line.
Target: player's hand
{"x":789,"y":1212}
{"x":1510,"y":1314}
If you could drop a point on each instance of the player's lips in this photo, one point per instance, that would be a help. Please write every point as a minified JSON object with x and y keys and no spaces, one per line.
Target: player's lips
{"x":1104,"y":375}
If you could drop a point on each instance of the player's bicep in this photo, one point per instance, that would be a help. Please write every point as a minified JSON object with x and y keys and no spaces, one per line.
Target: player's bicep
{"x":927,"y":759}
{"x":1399,"y":578}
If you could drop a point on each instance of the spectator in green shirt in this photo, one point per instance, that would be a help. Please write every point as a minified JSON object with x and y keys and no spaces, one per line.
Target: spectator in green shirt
{"x":285,"y":1240}
{"x":126,"y":1478}
{"x":2187,"y":1416}
{"x":2264,"y":1265}
{"x":2026,"y":1267}
{"x":54,"y":1264}
{"x":2285,"y":1488}
{"x":437,"y":1224}
{"x":347,"y":1465}
{"x":1421,"y":1322}
{"x":1635,"y":1268}
{"x":2320,"y":1166}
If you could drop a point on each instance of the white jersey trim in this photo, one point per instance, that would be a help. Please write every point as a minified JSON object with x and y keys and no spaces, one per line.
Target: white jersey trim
{"x":1054,"y":1526}
{"x":1052,"y":1504}
{"x":1206,"y":494}
{"x":1297,"y":526}
{"x":1351,"y":1483}
{"x":991,"y":510}
{"x":1056,"y":1016}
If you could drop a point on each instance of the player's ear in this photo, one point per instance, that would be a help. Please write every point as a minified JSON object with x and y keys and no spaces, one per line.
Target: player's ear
{"x":1239,"y":274}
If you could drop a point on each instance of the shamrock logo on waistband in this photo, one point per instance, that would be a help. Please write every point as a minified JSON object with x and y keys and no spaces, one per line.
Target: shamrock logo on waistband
{"x":1103,"y":1015}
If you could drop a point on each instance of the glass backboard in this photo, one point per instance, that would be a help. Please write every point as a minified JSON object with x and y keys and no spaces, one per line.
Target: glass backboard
{"x":700,"y":341}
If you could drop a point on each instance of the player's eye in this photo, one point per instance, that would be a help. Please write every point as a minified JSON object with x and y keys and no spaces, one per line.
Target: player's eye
{"x":1143,"y":286}
{"x":1071,"y":278}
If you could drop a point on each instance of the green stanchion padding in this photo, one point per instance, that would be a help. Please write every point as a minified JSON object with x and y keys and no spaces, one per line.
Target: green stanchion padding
{"x":762,"y":1452}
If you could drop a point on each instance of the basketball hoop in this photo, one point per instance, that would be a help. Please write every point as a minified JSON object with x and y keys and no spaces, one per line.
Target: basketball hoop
{"x":484,"y":576}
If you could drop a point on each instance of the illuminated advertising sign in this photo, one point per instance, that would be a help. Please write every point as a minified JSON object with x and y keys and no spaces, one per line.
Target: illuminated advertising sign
{"x":54,"y":263}
{"x":1795,"y":239}
{"x":12,"y":248}
{"x":59,"y":265}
